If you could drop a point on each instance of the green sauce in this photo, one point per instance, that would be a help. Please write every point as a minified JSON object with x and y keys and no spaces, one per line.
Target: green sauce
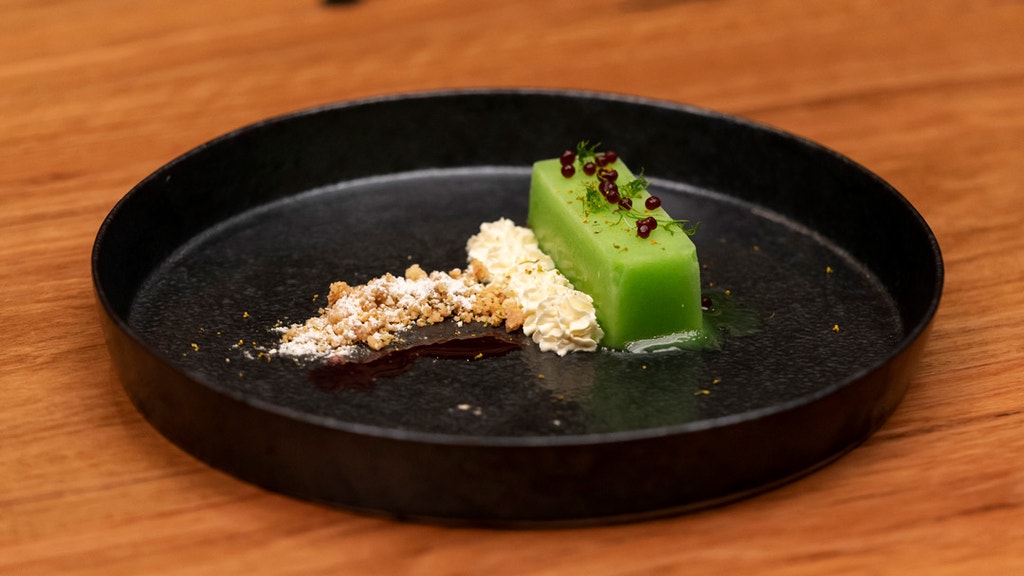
{"x":725,"y":317}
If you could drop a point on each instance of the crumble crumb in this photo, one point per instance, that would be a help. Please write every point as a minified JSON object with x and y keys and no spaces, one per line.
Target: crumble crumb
{"x":376,"y":312}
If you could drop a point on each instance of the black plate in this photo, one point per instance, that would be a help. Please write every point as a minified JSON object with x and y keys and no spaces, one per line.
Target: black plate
{"x":197,"y":263}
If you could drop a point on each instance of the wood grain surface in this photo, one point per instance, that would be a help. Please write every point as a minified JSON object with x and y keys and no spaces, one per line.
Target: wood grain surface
{"x":96,"y":94}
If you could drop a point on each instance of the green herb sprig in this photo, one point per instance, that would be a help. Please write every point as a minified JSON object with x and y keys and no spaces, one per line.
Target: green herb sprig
{"x":586,"y":152}
{"x":594,"y":201}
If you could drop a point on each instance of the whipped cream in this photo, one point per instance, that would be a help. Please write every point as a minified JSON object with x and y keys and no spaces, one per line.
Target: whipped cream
{"x":556,"y":316}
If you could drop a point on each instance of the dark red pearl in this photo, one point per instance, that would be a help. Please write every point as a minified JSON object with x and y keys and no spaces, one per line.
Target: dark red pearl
{"x":567,"y":157}
{"x":626,"y":203}
{"x":568,"y":170}
{"x":589,"y":168}
{"x":652,"y":202}
{"x":649,"y":222}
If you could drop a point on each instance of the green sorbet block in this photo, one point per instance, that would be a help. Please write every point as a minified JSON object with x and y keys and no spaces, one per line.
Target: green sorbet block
{"x":643,"y":289}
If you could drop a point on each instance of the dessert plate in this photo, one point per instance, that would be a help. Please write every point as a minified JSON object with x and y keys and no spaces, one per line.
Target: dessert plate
{"x":825,"y":281}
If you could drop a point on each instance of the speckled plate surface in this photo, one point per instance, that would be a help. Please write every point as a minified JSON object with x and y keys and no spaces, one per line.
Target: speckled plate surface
{"x":198,"y":263}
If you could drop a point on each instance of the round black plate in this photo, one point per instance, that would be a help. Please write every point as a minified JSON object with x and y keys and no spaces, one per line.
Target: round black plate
{"x":198,"y":263}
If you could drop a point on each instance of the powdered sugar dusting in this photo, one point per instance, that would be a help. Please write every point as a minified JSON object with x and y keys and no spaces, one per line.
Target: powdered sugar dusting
{"x":375,"y":313}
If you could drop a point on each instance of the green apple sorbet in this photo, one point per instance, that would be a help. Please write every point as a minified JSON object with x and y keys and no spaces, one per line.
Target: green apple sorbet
{"x":636,"y":262}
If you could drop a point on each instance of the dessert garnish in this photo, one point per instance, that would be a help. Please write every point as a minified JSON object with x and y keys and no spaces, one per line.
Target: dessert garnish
{"x":606,"y":189}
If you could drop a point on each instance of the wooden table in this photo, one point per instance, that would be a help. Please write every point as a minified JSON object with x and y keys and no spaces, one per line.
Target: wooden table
{"x":94,"y":95}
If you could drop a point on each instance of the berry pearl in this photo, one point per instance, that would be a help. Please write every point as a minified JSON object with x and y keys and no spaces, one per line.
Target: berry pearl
{"x":606,"y":187}
{"x":652,"y":203}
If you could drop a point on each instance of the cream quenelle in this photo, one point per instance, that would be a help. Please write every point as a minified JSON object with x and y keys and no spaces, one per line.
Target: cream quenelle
{"x":556,"y":316}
